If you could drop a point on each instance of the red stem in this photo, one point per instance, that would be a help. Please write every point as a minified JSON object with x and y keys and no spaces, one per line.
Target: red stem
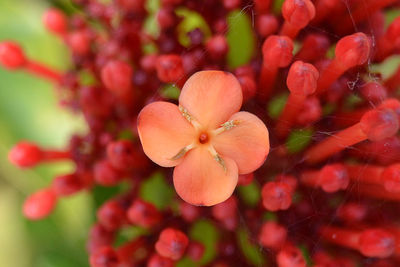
{"x":43,"y":71}
{"x":293,"y":106}
{"x":329,"y":75}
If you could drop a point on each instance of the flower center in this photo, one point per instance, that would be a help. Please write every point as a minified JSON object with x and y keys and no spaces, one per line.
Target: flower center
{"x":203,"y":138}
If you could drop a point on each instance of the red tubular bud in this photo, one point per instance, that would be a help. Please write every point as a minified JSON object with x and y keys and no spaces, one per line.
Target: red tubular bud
{"x":377,"y":243}
{"x":272,"y":235}
{"x":40,"y":204}
{"x":379,"y":124}
{"x":11,"y":55}
{"x":276,"y":196}
{"x":66,"y":185}
{"x":172,"y":244}
{"x":391,"y":178}
{"x":25,"y":155}
{"x":301,"y":81}
{"x":372,"y":242}
{"x":55,"y":21}
{"x":266,"y":25}
{"x":277,"y":53}
{"x":290,"y":256}
{"x":330,"y":178}
{"x":297,"y":14}
{"x":375,"y":125}
{"x":302,"y":78}
{"x":351,"y":50}
{"x":314,"y":47}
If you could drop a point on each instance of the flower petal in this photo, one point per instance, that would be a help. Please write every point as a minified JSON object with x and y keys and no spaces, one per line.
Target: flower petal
{"x":201,"y":180}
{"x":247,"y":143}
{"x":164,"y":132}
{"x":211,"y":97}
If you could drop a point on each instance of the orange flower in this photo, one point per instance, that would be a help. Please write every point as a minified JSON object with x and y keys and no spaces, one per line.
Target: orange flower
{"x":206,"y":138}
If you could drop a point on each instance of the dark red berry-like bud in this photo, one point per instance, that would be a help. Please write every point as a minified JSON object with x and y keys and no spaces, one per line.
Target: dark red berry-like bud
{"x":111,"y":215}
{"x":377,"y":243}
{"x":96,"y":101}
{"x":123,"y":155}
{"x":272,"y":235}
{"x":195,"y":251}
{"x":217,"y":47}
{"x":11,"y":55}
{"x":143,"y":214}
{"x":166,"y":18}
{"x":79,"y":42}
{"x":160,"y":261}
{"x":172,"y":244}
{"x":266,"y":25}
{"x":276,"y":196}
{"x":104,"y":257}
{"x":99,"y":237}
{"x":105,"y":174}
{"x":66,"y":185}
{"x":189,"y":212}
{"x":117,"y":77}
{"x":132,"y":5}
{"x":55,"y":21}
{"x":226,"y":213}
{"x":25,"y":154}
{"x":170,"y":68}
{"x":40,"y":204}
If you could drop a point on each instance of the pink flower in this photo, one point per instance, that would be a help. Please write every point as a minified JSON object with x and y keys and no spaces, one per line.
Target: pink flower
{"x":206,"y":138}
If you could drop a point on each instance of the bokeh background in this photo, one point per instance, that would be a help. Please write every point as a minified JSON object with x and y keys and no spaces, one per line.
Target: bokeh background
{"x":29,"y":110}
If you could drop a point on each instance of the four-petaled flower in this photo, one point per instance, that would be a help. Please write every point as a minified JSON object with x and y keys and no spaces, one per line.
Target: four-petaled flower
{"x":206,"y":138}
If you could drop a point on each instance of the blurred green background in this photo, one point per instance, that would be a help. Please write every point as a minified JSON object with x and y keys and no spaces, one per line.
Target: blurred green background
{"x":29,"y":110}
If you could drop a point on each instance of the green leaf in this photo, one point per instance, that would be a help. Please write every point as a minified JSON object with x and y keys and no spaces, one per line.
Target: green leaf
{"x":241,"y":39}
{"x":298,"y":140}
{"x":250,"y":250}
{"x":156,"y":190}
{"x":276,"y":105}
{"x":206,"y":233}
{"x":170,"y":91}
{"x":191,"y":20}
{"x":250,"y":194}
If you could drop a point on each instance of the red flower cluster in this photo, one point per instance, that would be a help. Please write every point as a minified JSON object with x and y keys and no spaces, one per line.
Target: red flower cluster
{"x":326,"y":195}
